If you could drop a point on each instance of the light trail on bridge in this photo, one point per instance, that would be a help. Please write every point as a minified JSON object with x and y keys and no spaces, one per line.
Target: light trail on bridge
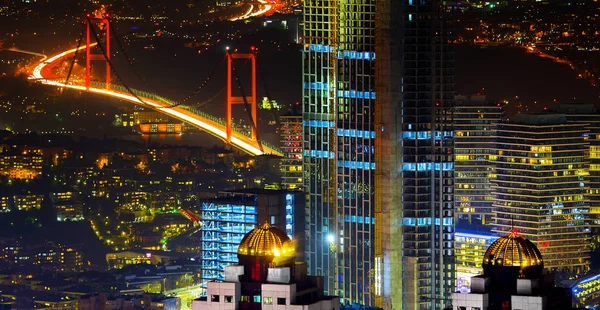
{"x":238,"y":140}
{"x":16,"y":50}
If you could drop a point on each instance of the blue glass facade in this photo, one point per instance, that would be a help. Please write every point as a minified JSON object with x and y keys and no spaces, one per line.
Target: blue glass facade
{"x":223,"y":227}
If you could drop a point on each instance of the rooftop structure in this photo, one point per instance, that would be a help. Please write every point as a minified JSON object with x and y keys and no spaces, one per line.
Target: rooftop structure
{"x":268,"y":277}
{"x":228,"y":218}
{"x":513,"y":278}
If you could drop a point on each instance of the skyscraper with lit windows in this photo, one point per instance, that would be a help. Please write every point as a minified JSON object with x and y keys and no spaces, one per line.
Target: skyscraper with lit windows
{"x":540,"y":188}
{"x":414,"y":181}
{"x":474,"y":146}
{"x":378,"y":80}
{"x":475,"y":121}
{"x":338,"y":118}
{"x":291,"y":145}
{"x":587,"y":115}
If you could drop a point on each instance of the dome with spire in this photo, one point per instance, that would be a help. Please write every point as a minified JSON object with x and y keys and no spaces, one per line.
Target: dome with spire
{"x":266,"y":240}
{"x":513,"y":251}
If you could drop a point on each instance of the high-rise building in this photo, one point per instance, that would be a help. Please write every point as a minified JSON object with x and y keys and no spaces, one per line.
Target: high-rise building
{"x":474,"y":146}
{"x":227,"y":218}
{"x":475,"y":121}
{"x":291,"y":146}
{"x":338,"y":118}
{"x":586,"y":114}
{"x":379,"y":236}
{"x":414,"y":180}
{"x":540,"y":188}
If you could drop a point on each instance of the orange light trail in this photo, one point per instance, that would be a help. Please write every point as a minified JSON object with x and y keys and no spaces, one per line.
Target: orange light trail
{"x":238,"y":140}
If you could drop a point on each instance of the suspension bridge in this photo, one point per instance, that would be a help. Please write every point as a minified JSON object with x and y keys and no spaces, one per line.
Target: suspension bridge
{"x":220,"y":128}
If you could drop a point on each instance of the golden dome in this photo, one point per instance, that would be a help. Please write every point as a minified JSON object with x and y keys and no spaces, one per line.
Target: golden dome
{"x":513,"y":251}
{"x":266,"y":240}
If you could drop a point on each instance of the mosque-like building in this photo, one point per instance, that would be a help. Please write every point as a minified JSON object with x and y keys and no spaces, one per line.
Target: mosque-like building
{"x":513,"y":279}
{"x":267,"y":277}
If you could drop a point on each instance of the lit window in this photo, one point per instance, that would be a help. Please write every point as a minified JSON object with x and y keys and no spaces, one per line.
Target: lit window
{"x":268,"y":300}
{"x":228,"y":299}
{"x":257,"y":298}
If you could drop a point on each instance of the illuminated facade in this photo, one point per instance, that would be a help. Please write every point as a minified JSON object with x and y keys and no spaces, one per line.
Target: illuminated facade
{"x":367,"y":227}
{"x":225,"y":223}
{"x":229,"y":217}
{"x":469,"y":248}
{"x":291,"y":146}
{"x":474,"y":146}
{"x":414,"y":179}
{"x":67,"y":206}
{"x":26,"y":202}
{"x":21,"y":166}
{"x":4,"y":204}
{"x":540,"y":188}
{"x":338,"y":114}
{"x":586,"y":114}
{"x":586,"y":292}
{"x":140,"y":117}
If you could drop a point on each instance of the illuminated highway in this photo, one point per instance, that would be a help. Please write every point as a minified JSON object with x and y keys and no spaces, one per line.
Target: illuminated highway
{"x":16,"y":50}
{"x":42,"y":74}
{"x":262,"y":9}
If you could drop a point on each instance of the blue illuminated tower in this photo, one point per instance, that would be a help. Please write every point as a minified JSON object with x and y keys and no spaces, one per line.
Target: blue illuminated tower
{"x":338,"y":118}
{"x":414,"y":181}
{"x":378,"y":93}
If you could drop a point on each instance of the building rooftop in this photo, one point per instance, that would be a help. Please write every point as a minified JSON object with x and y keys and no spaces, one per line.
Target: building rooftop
{"x":539,"y":119}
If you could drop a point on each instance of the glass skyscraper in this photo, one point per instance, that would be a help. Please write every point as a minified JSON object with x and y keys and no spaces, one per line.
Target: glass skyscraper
{"x":414,"y":184}
{"x":378,"y":150}
{"x":338,"y":118}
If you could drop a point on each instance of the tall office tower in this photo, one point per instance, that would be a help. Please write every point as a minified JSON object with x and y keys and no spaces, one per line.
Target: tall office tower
{"x":414,"y":179}
{"x":474,"y":146}
{"x":587,"y":114}
{"x":291,"y":145}
{"x":540,"y":188}
{"x":338,"y":111}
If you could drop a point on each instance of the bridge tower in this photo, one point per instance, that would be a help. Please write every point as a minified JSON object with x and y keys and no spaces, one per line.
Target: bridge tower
{"x":104,"y":25}
{"x":231,"y":100}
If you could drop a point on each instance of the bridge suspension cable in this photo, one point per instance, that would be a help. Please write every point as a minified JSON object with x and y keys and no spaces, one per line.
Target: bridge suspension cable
{"x":112,"y":67}
{"x":267,"y":93}
{"x":200,"y":87}
{"x":129,"y":59}
{"x":74,"y":58}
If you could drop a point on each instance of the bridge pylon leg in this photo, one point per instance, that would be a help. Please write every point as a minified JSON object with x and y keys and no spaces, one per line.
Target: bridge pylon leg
{"x":232,"y":100}
{"x":105,"y":27}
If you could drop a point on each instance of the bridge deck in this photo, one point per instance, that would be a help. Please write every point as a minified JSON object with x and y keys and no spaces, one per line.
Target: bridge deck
{"x":197,"y":119}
